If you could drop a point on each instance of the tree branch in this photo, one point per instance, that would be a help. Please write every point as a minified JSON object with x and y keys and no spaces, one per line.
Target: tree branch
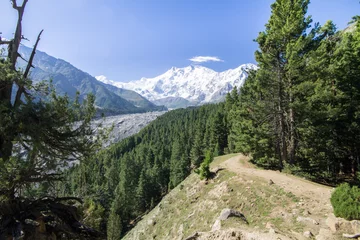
{"x":4,"y":42}
{"x":28,"y":67}
{"x":21,"y":88}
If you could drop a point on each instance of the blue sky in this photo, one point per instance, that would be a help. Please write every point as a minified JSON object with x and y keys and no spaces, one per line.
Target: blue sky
{"x":129,"y":39}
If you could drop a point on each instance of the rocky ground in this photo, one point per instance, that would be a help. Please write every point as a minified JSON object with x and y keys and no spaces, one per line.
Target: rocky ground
{"x":243,"y":202}
{"x":126,"y":125}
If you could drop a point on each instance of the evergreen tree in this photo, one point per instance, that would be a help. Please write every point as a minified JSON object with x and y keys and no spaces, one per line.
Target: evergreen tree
{"x":114,"y":226}
{"x":197,"y":147}
{"x":41,"y":134}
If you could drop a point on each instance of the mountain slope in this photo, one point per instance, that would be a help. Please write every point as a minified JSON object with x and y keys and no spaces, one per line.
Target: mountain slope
{"x":192,"y":85}
{"x":284,"y":209}
{"x":68,"y":79}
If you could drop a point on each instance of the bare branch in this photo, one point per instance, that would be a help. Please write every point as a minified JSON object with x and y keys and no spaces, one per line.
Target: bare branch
{"x":21,"y":88}
{"x":22,"y":58}
{"x":4,"y":42}
{"x":28,"y":67}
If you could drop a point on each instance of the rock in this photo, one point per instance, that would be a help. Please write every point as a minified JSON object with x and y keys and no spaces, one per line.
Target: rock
{"x":216,"y":226}
{"x":325,"y":234}
{"x":227,"y":212}
{"x":355,"y":224}
{"x":336,"y":224}
{"x":306,"y":219}
{"x":151,"y":222}
{"x":271,"y":182}
{"x":308,"y":234}
{"x":332,"y":223}
{"x":269,"y":225}
{"x":272,"y":231}
{"x":315,"y":222}
{"x":345,"y":225}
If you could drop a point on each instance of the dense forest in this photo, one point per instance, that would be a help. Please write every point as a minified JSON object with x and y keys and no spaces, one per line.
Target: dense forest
{"x":126,"y":180}
{"x":299,"y":112}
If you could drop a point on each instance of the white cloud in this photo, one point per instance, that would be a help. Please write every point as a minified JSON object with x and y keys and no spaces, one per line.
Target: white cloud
{"x":201,"y":59}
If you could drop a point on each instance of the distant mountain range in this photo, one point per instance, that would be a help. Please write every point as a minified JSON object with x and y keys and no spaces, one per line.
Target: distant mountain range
{"x":176,"y":88}
{"x":188,"y":86}
{"x":68,"y":79}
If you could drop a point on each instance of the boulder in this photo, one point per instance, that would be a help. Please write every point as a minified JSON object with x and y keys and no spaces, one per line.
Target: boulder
{"x":227,"y":212}
{"x":308,"y":234}
{"x":332,"y":222}
{"x":340,"y":224}
{"x":325,"y":234}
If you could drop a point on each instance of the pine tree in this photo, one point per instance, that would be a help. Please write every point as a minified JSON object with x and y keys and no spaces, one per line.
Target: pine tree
{"x":282,"y":47}
{"x":114,"y":226}
{"x":196,"y":153}
{"x":41,"y":134}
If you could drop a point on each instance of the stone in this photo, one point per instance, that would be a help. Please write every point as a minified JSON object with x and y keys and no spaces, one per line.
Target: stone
{"x":325,"y":234}
{"x":355,"y":224}
{"x":227,"y":212}
{"x":308,"y":234}
{"x":306,"y":219}
{"x":269,"y":225}
{"x":216,"y":226}
{"x":151,"y":222}
{"x":272,"y":231}
{"x":315,"y":222}
{"x":332,"y":223}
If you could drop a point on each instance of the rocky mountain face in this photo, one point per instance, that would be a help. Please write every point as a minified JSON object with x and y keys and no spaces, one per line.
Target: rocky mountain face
{"x":68,"y":79}
{"x":189,"y":86}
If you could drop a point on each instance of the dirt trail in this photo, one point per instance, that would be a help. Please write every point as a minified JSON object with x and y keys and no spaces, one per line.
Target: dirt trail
{"x":315,"y":197}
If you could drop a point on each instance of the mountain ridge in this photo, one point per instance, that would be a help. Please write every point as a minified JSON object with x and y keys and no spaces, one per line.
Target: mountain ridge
{"x":67,"y":79}
{"x":191,"y":85}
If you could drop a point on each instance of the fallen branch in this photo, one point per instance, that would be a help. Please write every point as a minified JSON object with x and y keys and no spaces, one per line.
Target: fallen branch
{"x":351,"y":236}
{"x":193,"y":237}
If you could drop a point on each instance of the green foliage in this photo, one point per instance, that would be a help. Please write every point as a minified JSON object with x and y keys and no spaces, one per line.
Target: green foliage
{"x":308,"y":122}
{"x":204,"y":169}
{"x":134,"y":174}
{"x":346,"y":202}
{"x":41,"y":134}
{"x":114,"y":227}
{"x":93,"y":214}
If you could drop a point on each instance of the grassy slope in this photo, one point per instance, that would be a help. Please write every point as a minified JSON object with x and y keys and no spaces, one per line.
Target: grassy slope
{"x":194,"y":206}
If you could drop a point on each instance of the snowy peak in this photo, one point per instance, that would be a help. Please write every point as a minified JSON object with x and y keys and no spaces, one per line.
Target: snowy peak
{"x":195,"y":84}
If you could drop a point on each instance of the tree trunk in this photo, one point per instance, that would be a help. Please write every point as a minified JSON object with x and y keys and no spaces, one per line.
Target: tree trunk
{"x":281,"y":121}
{"x":292,"y":144}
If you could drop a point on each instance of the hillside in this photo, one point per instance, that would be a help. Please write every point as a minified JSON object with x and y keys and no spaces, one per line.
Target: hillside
{"x":276,"y":206}
{"x":68,"y":79}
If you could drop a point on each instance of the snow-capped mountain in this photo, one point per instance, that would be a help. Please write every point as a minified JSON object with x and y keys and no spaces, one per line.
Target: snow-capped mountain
{"x":193,"y":84}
